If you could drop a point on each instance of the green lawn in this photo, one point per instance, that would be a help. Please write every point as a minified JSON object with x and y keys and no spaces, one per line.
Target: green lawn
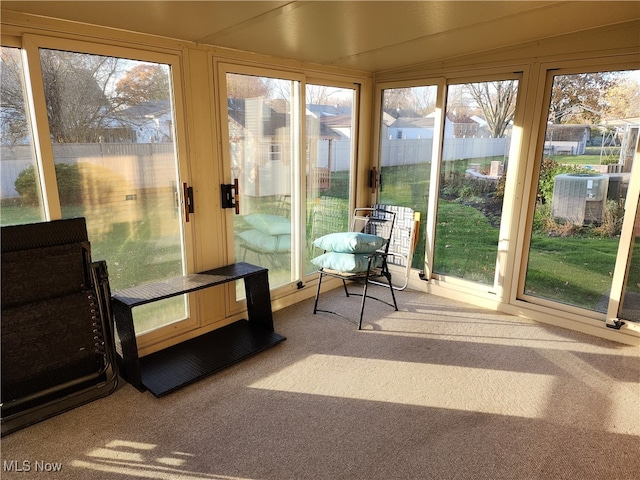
{"x":466,"y":244}
{"x":572,"y":270}
{"x":591,"y":157}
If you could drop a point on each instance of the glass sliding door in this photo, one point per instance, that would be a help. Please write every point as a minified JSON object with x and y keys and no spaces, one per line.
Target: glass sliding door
{"x":263,"y":126}
{"x":475,"y":157}
{"x":330,"y":137}
{"x":21,"y":192}
{"x":630,"y":304}
{"x":405,"y":155}
{"x":291,"y":164}
{"x":584,"y":177}
{"x":107,"y":136}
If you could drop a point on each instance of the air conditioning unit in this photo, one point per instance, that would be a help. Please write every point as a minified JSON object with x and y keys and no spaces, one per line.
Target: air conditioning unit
{"x":579,"y":197}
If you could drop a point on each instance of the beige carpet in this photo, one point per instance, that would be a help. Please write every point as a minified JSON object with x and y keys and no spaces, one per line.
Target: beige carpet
{"x":439,"y":390}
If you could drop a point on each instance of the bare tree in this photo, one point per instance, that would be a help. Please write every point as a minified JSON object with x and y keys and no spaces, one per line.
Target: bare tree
{"x":85,"y":94}
{"x":424,"y":99}
{"x":497,"y":101}
{"x":81,"y":102}
{"x":13,"y":117}
{"x":326,"y":95}
{"x":398,"y":100}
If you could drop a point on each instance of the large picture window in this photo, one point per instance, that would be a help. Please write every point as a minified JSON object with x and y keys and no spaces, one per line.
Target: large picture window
{"x":407,"y":133}
{"x":290,"y":189}
{"x":330,"y":140}
{"x":107,"y":137}
{"x":261,"y":113}
{"x":589,"y":147}
{"x":475,"y":157}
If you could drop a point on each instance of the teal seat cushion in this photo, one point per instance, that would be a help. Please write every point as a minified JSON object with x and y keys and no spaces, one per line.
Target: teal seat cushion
{"x":266,"y":243}
{"x":349,"y":242}
{"x":269,"y":224}
{"x":346,"y":262}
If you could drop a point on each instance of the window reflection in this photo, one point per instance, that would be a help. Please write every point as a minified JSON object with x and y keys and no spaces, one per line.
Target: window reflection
{"x":329,"y":146}
{"x":263,"y":161}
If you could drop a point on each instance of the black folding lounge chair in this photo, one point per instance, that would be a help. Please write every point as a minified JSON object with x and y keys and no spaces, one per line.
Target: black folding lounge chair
{"x":56,"y":333}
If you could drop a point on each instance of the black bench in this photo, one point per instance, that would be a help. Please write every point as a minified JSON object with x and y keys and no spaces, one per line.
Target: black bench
{"x":169,"y":369}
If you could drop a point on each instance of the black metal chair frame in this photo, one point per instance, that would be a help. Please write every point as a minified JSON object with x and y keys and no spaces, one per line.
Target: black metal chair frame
{"x":375,"y":221}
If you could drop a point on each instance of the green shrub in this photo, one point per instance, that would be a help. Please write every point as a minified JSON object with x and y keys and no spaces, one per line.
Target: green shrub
{"x":541,"y":214}
{"x":67,"y":176}
{"x":27,"y":186}
{"x":548,"y":172}
{"x":459,"y":185}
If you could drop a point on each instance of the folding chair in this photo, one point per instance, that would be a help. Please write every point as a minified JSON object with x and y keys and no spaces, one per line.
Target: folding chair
{"x":403,"y":241}
{"x":359,"y":255}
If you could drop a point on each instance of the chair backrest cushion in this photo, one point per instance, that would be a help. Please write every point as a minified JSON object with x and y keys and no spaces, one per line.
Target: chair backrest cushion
{"x":41,"y":273}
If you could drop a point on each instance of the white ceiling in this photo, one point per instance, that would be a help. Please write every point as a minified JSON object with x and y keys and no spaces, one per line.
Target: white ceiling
{"x":370,"y":36}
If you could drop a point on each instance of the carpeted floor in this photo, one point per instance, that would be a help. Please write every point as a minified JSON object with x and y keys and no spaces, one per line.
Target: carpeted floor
{"x":439,"y":390}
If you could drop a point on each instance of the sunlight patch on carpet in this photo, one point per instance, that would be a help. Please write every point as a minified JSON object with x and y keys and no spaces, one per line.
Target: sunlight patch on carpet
{"x":499,"y":392}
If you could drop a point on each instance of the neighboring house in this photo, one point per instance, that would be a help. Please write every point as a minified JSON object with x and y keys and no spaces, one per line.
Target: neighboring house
{"x":260,"y":139}
{"x":404,"y":128}
{"x":151,"y":121}
{"x":387,"y":120}
{"x":483,"y":127}
{"x":329,"y":133}
{"x":415,"y":127}
{"x":563,"y":139}
{"x":463,"y":126}
{"x":337,"y":125}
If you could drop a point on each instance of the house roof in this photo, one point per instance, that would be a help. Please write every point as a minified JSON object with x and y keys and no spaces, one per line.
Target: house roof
{"x":274,"y":119}
{"x":568,"y":133}
{"x":460,"y":119}
{"x":402,"y":112}
{"x":317,"y":127}
{"x":329,"y":110}
{"x":152,"y":108}
{"x":413,"y":122}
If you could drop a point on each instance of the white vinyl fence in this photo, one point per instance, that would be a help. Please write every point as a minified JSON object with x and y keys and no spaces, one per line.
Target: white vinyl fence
{"x":129,"y":160}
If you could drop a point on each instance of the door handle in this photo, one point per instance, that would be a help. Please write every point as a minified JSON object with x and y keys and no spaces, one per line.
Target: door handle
{"x":231,"y":196}
{"x":188,"y":200}
{"x":373,"y":179}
